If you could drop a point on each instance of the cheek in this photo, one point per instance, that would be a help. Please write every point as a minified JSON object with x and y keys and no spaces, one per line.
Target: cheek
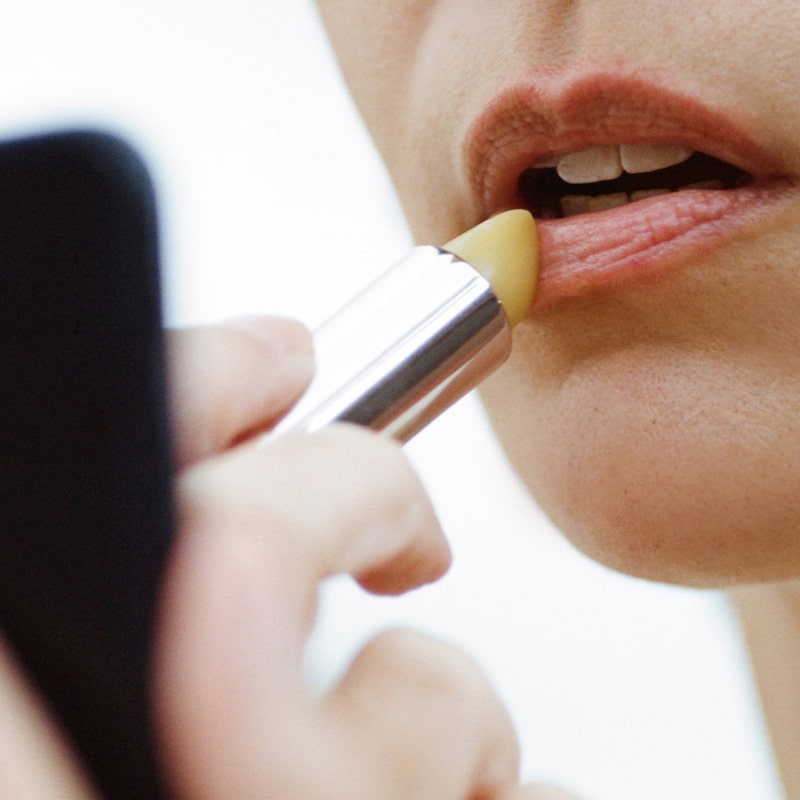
{"x":666,"y":444}
{"x":397,"y":70}
{"x":376,"y":45}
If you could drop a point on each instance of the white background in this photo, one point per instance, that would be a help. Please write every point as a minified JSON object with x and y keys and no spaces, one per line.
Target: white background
{"x":272,"y":200}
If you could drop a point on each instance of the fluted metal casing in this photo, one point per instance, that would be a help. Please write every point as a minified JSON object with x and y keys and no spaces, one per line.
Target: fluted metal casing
{"x":406,"y":348}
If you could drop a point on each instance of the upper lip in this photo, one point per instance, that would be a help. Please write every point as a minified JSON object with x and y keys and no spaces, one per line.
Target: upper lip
{"x":540,"y":116}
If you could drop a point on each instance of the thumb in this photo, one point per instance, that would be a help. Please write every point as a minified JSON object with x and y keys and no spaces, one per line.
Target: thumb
{"x":233,"y":380}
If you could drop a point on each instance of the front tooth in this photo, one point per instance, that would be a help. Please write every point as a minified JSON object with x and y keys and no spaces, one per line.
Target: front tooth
{"x":605,"y":201}
{"x":589,"y":166}
{"x":638,"y":158}
{"x":572,"y":204}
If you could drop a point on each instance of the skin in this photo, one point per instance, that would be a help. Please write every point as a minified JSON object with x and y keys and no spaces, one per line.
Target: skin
{"x":656,"y":423}
{"x":260,"y":528}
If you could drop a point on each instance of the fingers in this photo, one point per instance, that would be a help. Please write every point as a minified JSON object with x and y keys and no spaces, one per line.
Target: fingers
{"x":226,"y":656}
{"x":34,"y":762}
{"x":426,"y":721}
{"x":260,"y":527}
{"x":228,"y":382}
{"x":231,"y":381}
{"x":411,"y":720}
{"x":340,"y":501}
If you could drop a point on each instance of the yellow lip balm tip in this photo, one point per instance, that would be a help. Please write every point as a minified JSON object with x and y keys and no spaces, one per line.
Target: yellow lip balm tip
{"x":505,"y":250}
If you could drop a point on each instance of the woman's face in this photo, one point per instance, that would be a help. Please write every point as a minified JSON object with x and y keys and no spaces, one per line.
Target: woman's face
{"x":652,"y":402}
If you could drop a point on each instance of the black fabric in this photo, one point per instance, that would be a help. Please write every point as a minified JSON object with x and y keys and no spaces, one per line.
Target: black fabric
{"x":85,"y":499}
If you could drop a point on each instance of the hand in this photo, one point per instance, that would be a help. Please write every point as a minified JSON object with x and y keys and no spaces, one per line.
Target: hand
{"x":260,"y":527}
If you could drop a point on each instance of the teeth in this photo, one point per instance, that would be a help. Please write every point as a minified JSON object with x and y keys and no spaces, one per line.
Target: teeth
{"x":572,"y":204}
{"x":583,"y":204}
{"x":643,"y":194}
{"x":605,"y":201}
{"x":638,"y":158}
{"x":609,"y":161}
{"x":590,"y":166}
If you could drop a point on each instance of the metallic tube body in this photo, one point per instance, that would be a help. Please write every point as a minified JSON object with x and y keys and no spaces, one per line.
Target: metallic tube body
{"x":410,"y":345}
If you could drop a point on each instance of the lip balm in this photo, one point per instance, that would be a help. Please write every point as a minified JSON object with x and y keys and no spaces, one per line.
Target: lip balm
{"x":424,"y":333}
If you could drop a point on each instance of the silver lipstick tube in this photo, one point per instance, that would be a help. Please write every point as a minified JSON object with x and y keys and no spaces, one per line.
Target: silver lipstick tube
{"x":405,"y":349}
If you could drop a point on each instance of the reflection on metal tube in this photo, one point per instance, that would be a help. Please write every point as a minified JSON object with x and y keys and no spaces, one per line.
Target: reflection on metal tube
{"x":405,"y":349}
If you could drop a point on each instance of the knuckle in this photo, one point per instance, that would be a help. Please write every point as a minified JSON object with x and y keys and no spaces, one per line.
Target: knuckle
{"x":356,"y":442}
{"x":226,"y":486}
{"x":202,"y":500}
{"x":430,"y":669}
{"x":353,"y":461}
{"x":228,"y":336}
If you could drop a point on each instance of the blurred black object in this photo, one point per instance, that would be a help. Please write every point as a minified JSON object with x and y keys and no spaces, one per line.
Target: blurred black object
{"x":85,"y":499}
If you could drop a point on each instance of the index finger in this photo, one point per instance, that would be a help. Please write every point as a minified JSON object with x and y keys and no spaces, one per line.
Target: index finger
{"x":232,"y":380}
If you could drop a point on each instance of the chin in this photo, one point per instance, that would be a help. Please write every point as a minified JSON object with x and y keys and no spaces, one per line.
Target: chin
{"x":668,"y":464}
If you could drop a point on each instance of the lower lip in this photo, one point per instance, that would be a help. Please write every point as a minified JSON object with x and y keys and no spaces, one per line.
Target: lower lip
{"x":596,"y":253}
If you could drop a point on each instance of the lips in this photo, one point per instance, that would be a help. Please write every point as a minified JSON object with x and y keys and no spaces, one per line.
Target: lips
{"x":538,"y":120}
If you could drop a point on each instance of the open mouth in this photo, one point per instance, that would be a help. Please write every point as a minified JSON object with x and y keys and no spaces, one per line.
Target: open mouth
{"x":631,"y":180}
{"x":610,"y":176}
